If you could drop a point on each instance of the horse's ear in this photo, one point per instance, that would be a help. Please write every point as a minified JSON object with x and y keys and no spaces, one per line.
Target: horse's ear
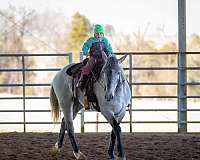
{"x":120,"y":60}
{"x":104,"y":56}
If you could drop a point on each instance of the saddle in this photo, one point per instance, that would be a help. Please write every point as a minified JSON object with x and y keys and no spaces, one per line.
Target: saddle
{"x":75,"y":69}
{"x":90,"y":97}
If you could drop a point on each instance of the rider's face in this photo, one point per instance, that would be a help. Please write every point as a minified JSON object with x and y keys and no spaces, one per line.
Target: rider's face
{"x":98,"y":35}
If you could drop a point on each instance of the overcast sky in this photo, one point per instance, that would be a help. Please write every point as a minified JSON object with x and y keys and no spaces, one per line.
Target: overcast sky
{"x":125,"y":15}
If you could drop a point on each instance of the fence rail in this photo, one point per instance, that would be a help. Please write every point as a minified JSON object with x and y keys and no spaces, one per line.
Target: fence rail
{"x":23,"y":70}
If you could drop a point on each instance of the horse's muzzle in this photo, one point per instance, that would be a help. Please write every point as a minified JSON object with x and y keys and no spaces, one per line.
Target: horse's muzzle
{"x":109,"y":96}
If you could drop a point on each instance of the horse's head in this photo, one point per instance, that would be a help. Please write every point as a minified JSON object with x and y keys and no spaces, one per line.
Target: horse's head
{"x":113,"y":75}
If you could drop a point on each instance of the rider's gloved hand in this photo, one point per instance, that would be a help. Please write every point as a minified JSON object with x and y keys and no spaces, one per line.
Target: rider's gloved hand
{"x":95,"y":54}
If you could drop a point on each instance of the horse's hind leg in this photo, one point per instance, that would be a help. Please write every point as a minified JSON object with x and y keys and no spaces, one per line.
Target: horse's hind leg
{"x":68,"y":114}
{"x":112,"y":145}
{"x":70,"y":131}
{"x":68,"y":117}
{"x":61,"y":134}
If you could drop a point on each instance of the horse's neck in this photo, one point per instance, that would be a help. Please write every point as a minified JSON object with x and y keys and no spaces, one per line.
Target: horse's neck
{"x":101,"y":80}
{"x":99,"y":85}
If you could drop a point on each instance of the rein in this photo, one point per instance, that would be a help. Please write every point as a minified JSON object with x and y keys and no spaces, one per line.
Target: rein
{"x":120,"y":83}
{"x":96,"y":79}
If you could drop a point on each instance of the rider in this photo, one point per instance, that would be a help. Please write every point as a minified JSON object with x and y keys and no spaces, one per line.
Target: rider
{"x":89,"y":49}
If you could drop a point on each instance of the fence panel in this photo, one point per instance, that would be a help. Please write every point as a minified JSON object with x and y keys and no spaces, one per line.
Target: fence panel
{"x":22,"y":99}
{"x":147,"y":113}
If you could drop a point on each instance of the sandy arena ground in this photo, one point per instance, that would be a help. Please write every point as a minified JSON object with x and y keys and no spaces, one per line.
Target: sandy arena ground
{"x":37,"y":146}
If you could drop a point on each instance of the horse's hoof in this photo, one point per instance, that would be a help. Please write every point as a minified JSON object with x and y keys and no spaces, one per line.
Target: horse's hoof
{"x":55,"y":149}
{"x":114,"y":158}
{"x":121,"y":158}
{"x":79,"y":155}
{"x":56,"y":145}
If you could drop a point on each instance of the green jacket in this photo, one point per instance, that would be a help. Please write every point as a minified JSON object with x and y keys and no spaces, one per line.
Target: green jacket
{"x":88,"y":44}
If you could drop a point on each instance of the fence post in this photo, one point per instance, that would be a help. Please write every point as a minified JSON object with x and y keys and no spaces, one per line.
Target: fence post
{"x":82,"y":110}
{"x":70,"y":58}
{"x":24,"y":92}
{"x":182,"y":73}
{"x":82,"y":121}
{"x":130,"y":82}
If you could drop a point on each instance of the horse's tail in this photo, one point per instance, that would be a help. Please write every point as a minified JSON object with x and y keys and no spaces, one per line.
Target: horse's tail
{"x":55,"y":111}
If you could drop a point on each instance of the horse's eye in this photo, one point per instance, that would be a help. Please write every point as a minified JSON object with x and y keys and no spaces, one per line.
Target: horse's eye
{"x":109,"y":72}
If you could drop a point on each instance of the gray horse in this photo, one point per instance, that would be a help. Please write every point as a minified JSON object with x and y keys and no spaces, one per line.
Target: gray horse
{"x":113,"y":95}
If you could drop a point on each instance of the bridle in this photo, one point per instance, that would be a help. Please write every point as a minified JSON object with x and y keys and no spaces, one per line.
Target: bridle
{"x":120,"y":82}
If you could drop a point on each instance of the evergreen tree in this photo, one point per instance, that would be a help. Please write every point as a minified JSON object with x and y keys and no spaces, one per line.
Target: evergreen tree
{"x":80,"y":30}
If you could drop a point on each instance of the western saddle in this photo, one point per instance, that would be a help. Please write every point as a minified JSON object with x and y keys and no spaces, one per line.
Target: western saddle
{"x":90,"y":100}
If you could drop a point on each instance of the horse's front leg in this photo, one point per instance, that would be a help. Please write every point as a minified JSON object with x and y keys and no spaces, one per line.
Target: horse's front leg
{"x":120,"y":147}
{"x":112,"y":145}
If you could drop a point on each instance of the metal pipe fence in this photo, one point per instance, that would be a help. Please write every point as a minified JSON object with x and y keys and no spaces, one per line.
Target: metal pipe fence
{"x":130,"y":70}
{"x":23,"y":70}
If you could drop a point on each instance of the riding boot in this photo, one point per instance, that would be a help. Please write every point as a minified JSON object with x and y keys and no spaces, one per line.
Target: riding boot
{"x":82,"y":82}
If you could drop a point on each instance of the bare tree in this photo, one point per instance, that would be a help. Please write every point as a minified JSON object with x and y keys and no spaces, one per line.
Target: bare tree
{"x":12,"y":38}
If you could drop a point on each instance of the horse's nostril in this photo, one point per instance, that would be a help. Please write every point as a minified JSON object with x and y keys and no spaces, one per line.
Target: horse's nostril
{"x":107,"y":97}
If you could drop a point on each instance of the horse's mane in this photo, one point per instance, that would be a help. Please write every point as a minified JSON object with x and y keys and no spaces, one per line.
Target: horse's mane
{"x":112,"y":62}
